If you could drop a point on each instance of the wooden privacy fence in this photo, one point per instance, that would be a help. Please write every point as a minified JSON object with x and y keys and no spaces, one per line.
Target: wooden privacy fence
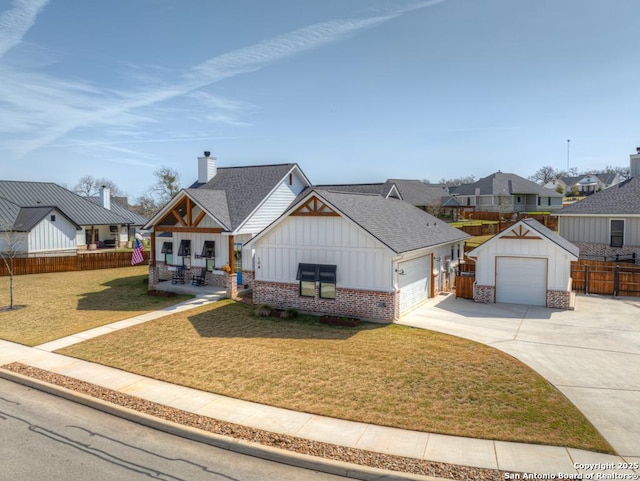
{"x":464,"y":285}
{"x":594,"y":277}
{"x":81,"y":262}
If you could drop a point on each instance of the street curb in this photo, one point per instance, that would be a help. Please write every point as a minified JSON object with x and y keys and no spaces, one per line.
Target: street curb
{"x":329,"y":466}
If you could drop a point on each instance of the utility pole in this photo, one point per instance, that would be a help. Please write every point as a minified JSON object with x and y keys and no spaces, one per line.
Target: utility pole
{"x":568,"y":155}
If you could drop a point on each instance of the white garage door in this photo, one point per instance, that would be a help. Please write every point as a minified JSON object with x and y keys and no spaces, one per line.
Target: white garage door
{"x":521,"y":280}
{"x":414,"y":283}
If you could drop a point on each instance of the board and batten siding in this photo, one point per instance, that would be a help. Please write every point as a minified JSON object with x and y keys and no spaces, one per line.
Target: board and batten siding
{"x":50,"y":235}
{"x":273,"y":207}
{"x":597,"y":230}
{"x":362,"y":262}
{"x":559,"y":263}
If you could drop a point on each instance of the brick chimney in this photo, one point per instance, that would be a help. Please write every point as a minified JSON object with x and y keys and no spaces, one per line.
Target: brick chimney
{"x":207,"y":168}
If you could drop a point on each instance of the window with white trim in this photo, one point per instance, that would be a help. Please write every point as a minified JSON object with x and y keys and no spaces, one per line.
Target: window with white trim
{"x":617,"y":232}
{"x":325,"y":275}
{"x":167,"y":250}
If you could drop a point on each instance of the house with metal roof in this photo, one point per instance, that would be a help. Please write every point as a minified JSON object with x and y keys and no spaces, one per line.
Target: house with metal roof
{"x":50,"y":219}
{"x":353,"y":254}
{"x":527,"y":263}
{"x":203,"y":228}
{"x":506,"y":193}
{"x":606,"y":225}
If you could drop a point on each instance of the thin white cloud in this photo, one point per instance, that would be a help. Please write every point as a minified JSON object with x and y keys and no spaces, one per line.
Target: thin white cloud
{"x":16,"y":22}
{"x":53,"y":108}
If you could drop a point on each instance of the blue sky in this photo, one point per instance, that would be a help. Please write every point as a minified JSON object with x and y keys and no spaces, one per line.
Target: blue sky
{"x":351,"y":90}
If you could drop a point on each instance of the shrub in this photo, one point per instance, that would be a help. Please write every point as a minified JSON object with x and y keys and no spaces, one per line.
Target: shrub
{"x":289,"y":313}
{"x":264,"y":310}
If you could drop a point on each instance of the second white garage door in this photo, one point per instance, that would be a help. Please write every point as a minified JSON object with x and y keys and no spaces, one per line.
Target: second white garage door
{"x":414,"y":282}
{"x":521,"y":280}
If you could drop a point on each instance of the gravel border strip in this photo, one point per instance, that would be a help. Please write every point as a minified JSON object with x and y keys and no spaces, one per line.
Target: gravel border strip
{"x":266,"y":438}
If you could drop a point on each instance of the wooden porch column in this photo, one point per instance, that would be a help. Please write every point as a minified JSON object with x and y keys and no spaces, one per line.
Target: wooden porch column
{"x":231,"y":259}
{"x":153,"y":248}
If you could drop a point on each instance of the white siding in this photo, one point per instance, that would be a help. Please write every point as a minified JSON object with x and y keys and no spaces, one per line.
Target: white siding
{"x":363,"y":263}
{"x":414,"y":282}
{"x":274,"y":206}
{"x":559,"y":264}
{"x":50,"y":235}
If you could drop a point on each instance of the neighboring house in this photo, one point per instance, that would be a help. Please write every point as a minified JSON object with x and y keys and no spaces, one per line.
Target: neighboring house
{"x":427,"y":197}
{"x":120,"y":206}
{"x":607,"y":223}
{"x":506,"y":193}
{"x":53,"y":220}
{"x":206,"y":225}
{"x":353,"y":254}
{"x":584,"y":184}
{"x":525,"y":264}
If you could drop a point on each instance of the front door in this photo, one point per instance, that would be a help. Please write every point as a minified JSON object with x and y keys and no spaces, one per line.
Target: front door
{"x":237,"y":261}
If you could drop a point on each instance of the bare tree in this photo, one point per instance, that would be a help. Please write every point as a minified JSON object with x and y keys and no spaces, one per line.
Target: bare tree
{"x":167,"y":184}
{"x":11,"y":246}
{"x":545,"y":174}
{"x":146,"y":206}
{"x":88,"y":186}
{"x":623,"y":172}
{"x":469,"y":179}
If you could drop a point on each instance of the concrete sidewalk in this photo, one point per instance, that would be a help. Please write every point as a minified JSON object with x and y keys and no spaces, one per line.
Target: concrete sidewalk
{"x":512,"y":457}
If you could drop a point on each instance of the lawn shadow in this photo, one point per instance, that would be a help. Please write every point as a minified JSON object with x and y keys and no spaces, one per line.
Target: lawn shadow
{"x":237,"y":321}
{"x":125,"y":294}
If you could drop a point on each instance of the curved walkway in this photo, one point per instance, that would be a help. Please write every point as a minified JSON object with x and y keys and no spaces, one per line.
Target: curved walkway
{"x":485,"y":323}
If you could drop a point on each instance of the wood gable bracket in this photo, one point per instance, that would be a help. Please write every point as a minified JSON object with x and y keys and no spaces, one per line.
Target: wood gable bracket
{"x":521,"y":232}
{"x":314,"y":207}
{"x":182,"y":215}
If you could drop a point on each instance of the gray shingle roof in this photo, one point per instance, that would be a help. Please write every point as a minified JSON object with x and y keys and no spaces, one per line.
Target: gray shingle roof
{"x":214,"y":202}
{"x":399,"y":225}
{"x":418,"y":193}
{"x":245,"y":188}
{"x":501,"y":183}
{"x":45,"y":194}
{"x":380,"y":188}
{"x":619,"y":199}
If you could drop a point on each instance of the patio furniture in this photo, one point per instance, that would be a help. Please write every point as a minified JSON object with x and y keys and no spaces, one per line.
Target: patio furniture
{"x":200,"y":279}
{"x":178,"y":276}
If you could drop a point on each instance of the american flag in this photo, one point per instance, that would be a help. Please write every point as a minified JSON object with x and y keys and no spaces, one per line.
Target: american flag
{"x":137,"y":256}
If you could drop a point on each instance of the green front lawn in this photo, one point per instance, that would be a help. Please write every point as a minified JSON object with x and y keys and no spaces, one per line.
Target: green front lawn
{"x":60,"y":304}
{"x":382,"y":374}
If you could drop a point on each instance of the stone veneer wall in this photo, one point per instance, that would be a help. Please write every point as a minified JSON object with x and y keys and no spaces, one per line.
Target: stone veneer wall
{"x":559,"y":299}
{"x":247,"y":278}
{"x":484,"y":294}
{"x":598,"y":252}
{"x":374,"y":305}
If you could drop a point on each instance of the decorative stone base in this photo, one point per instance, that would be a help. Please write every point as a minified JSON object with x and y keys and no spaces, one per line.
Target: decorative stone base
{"x":232,"y":285}
{"x":247,"y":279}
{"x":559,"y":299}
{"x":373,"y":305}
{"x":484,"y":294}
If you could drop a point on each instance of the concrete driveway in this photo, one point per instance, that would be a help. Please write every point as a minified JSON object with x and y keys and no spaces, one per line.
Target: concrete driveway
{"x":591,"y":354}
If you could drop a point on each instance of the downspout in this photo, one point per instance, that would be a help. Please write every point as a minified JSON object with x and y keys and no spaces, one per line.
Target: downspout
{"x":394,"y":270}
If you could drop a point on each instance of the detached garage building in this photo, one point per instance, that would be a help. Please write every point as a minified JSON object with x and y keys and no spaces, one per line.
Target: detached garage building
{"x":352,"y":254}
{"x":525,"y":264}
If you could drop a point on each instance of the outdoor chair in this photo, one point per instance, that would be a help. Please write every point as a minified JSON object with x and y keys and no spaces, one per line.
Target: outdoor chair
{"x":200,"y":279}
{"x":178,"y":276}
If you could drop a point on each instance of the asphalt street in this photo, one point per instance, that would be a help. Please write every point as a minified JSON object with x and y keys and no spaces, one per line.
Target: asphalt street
{"x":46,"y":437}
